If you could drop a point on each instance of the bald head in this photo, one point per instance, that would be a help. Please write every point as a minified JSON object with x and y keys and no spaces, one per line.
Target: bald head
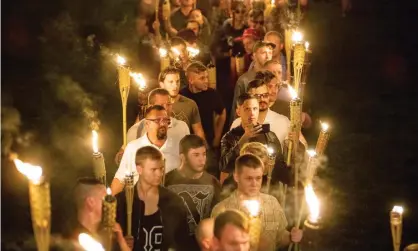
{"x":204,"y":233}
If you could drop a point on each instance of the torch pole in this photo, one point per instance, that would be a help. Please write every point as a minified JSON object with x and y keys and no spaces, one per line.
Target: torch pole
{"x":124,"y":85}
{"x":129,"y":193}
{"x":288,"y":49}
{"x":109,"y":218}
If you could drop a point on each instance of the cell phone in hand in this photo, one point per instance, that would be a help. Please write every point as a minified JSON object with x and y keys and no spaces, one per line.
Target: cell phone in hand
{"x":265,"y":128}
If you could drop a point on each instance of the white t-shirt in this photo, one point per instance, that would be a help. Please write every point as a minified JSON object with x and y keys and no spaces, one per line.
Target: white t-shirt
{"x":279,"y":124}
{"x":177,"y":128}
{"x":170,"y":150}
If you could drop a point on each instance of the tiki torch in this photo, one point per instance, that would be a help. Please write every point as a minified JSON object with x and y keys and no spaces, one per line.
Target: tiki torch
{"x":298,"y":60}
{"x":109,"y":217}
{"x":193,"y":52}
{"x":124,"y":85}
{"x":99,"y":168}
{"x":212,"y":75}
{"x":40,"y":203}
{"x":396,"y":226}
{"x":253,"y":207}
{"x":288,"y":49}
{"x":166,"y":9}
{"x":239,"y":64}
{"x":311,"y":224}
{"x":140,"y":81}
{"x":164,"y":59}
{"x":129,"y":193}
{"x":88,"y":243}
{"x":269,"y":8}
{"x":311,"y":168}
{"x":323,"y":138}
{"x":295,"y":122}
{"x":270,"y":166}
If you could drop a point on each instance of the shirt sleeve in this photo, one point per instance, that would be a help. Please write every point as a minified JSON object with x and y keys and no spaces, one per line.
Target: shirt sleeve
{"x":195,"y":114}
{"x":217,"y":192}
{"x":217,"y":210}
{"x":229,"y":153}
{"x":127,"y":164}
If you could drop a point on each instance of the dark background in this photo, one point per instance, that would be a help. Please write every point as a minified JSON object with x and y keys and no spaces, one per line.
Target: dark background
{"x":361,"y":80}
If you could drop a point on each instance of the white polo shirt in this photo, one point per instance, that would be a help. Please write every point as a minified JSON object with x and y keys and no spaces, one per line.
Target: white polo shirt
{"x":170,"y":150}
{"x":279,"y":124}
{"x":176,"y":128}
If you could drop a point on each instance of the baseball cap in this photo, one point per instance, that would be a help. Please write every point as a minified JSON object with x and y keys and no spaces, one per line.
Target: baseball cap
{"x":250,"y":32}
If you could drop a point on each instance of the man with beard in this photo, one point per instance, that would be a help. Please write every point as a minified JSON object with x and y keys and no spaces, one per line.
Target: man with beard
{"x":158,"y":215}
{"x":156,"y":124}
{"x":248,"y":174}
{"x":262,"y":52}
{"x":184,"y":108}
{"x":199,"y":190}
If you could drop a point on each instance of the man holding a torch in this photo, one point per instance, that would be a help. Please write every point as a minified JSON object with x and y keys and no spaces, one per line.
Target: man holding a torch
{"x":248,"y":175}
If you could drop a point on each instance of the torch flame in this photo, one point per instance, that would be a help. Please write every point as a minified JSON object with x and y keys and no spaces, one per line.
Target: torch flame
{"x":306,"y":45}
{"x":88,"y":243}
{"x":253,"y":207}
{"x":297,"y":37}
{"x":397,"y":209}
{"x":163,"y":52}
{"x":311,"y":153}
{"x":109,"y":191}
{"x":313,"y":203}
{"x":270,"y":150}
{"x":324,"y":126}
{"x":121,"y":60}
{"x":292,"y":92}
{"x":272,"y":2}
{"x":33,"y":173}
{"x":175,"y":51}
{"x":94,"y":141}
{"x":193,"y":52}
{"x":139,"y":79}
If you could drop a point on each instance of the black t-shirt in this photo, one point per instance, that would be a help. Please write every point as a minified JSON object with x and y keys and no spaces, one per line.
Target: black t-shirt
{"x":150,"y":236}
{"x":208,"y":102}
{"x":199,"y":195}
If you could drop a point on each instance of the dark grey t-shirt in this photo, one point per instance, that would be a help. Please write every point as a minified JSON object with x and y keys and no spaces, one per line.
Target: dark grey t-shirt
{"x":186,"y":110}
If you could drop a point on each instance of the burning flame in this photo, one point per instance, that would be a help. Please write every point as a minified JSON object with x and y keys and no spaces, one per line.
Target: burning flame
{"x":313,"y":203}
{"x":109,"y":191}
{"x":272,"y":2}
{"x":311,"y":153}
{"x":33,"y":173}
{"x":88,"y":243}
{"x":324,"y":126}
{"x":94,"y":141}
{"x":306,"y":45}
{"x":176,"y":52}
{"x":297,"y":37}
{"x":193,"y":52}
{"x":163,"y":52}
{"x":397,"y":209}
{"x":292,"y":92}
{"x":270,"y":150}
{"x":139,"y":79}
{"x":253,"y":207}
{"x":121,"y":60}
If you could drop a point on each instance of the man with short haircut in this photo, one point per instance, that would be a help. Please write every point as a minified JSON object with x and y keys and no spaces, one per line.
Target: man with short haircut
{"x":199,"y":190}
{"x":248,"y":175}
{"x":248,"y":39}
{"x":158,"y":215}
{"x":231,"y":231}
{"x":178,"y":19}
{"x":279,"y":124}
{"x":181,"y":58}
{"x":204,"y":234}
{"x":88,"y":197}
{"x":184,"y":108}
{"x":248,"y":130}
{"x":256,"y":20}
{"x":262,"y":52}
{"x":276,"y":38}
{"x":156,"y":124}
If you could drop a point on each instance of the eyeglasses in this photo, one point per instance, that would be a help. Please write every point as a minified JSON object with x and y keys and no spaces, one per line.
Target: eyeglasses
{"x":161,"y":121}
{"x":261,"y":96}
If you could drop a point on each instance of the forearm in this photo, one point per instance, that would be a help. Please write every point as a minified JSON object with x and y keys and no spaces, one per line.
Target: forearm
{"x":219,"y":125}
{"x":116,"y":186}
{"x":198,"y":130}
{"x":228,"y":158}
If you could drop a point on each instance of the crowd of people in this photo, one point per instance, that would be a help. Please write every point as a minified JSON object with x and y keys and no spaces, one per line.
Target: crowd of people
{"x":198,"y":153}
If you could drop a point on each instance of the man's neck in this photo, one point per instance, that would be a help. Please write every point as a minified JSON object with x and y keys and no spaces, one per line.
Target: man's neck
{"x":155,"y":141}
{"x":262,"y":116}
{"x":186,"y":10}
{"x":257,"y":67}
{"x":187,"y":172}
{"x":145,"y":190}
{"x":87,"y":220}
{"x":193,"y":89}
{"x":175,"y":99}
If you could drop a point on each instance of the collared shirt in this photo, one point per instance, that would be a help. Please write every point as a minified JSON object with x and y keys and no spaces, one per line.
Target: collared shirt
{"x":273,"y":219}
{"x":176,"y":128}
{"x":170,"y":150}
{"x":279,"y":124}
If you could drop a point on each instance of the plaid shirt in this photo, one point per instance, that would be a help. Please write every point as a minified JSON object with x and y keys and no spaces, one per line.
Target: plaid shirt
{"x":273,"y":219}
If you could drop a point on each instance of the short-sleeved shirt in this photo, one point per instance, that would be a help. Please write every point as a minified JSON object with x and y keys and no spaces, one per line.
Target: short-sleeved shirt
{"x":186,"y":110}
{"x":200,"y":195}
{"x":273,"y":219}
{"x":209,"y":103}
